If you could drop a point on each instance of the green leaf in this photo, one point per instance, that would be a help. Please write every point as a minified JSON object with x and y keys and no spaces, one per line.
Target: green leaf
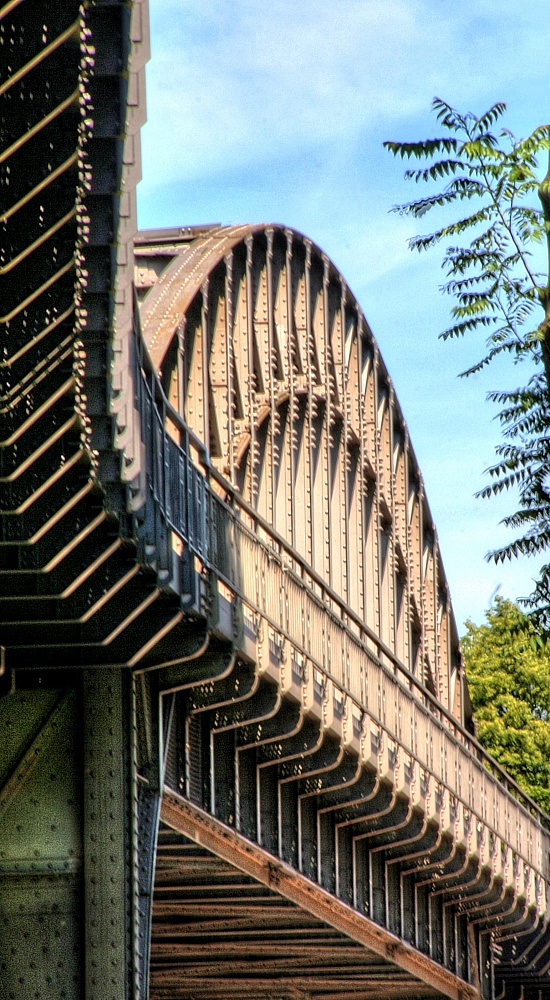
{"x":490,"y":270}
{"x":507,"y":661}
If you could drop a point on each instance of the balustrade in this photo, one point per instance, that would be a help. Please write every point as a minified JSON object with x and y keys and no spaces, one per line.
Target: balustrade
{"x":260,"y":569}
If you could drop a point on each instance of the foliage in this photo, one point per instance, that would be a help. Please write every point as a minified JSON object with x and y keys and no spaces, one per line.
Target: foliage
{"x":508,"y":671}
{"x":498,"y":292}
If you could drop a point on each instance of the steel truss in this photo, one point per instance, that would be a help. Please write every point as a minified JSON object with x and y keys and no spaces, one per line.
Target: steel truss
{"x":237,"y":751}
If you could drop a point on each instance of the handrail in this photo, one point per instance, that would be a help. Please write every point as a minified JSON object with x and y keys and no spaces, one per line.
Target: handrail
{"x":492,"y":766}
{"x":239,"y":500}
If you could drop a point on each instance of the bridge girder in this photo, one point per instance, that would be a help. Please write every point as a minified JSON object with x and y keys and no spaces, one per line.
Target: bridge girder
{"x":266,"y":354}
{"x":181,"y":634}
{"x":232,"y":307}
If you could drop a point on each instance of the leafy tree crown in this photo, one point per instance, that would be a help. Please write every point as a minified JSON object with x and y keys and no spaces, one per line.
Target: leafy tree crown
{"x":499,"y":291}
{"x":508,"y":669}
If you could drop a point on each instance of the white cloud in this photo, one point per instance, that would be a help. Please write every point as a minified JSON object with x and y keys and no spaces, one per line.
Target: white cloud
{"x":235,"y":83}
{"x":276,"y":111}
{"x":232,"y":91}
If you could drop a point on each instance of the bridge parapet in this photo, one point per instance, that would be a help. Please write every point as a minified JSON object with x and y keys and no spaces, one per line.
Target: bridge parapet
{"x":262,"y":652}
{"x":263,"y":349}
{"x":320,"y":745}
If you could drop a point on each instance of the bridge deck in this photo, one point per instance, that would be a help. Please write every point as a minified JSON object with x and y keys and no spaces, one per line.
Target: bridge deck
{"x":230,"y":922}
{"x":222,"y":601}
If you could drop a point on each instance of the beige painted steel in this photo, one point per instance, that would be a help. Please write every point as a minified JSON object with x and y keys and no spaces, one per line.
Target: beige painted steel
{"x":281,"y":598}
{"x":277,"y":372}
{"x":329,"y":542}
{"x":226,"y":843}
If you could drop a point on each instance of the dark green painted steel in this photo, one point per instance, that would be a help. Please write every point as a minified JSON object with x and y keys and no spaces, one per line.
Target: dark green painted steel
{"x":90,"y":587}
{"x":41,"y":845}
{"x":67,"y":860}
{"x":108,"y":835}
{"x":68,"y":806}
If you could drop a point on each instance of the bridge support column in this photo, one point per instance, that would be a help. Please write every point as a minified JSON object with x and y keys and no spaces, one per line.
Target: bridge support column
{"x":40,"y":845}
{"x":108,"y":836}
{"x":77,"y":839}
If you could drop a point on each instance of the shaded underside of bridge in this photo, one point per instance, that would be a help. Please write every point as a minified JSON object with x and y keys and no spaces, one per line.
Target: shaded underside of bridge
{"x":237,"y":753}
{"x":219,"y":931}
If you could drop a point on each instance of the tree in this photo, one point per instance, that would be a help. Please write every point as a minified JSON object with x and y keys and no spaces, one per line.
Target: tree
{"x":498,"y":290}
{"x":508,"y":671}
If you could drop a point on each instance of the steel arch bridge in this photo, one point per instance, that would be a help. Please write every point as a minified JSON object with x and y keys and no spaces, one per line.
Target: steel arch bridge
{"x":237,"y":751}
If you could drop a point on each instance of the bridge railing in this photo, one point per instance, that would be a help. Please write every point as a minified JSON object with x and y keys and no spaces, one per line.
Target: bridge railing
{"x":261,"y":568}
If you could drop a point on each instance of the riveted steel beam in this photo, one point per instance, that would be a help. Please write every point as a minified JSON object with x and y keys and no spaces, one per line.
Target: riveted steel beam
{"x":229,"y":845}
{"x":277,"y":645}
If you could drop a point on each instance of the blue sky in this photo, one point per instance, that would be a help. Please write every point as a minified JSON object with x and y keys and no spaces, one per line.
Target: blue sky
{"x":276,"y":112}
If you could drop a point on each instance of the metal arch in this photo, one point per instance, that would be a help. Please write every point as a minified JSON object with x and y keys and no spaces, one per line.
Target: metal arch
{"x":364,"y":706}
{"x":267,"y":355}
{"x":169,"y":299}
{"x":407,"y":841}
{"x":263,"y":743}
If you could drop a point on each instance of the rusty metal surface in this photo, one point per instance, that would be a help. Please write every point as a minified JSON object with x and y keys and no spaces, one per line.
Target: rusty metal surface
{"x":219,"y":573}
{"x":269,"y":933}
{"x":345,"y":666}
